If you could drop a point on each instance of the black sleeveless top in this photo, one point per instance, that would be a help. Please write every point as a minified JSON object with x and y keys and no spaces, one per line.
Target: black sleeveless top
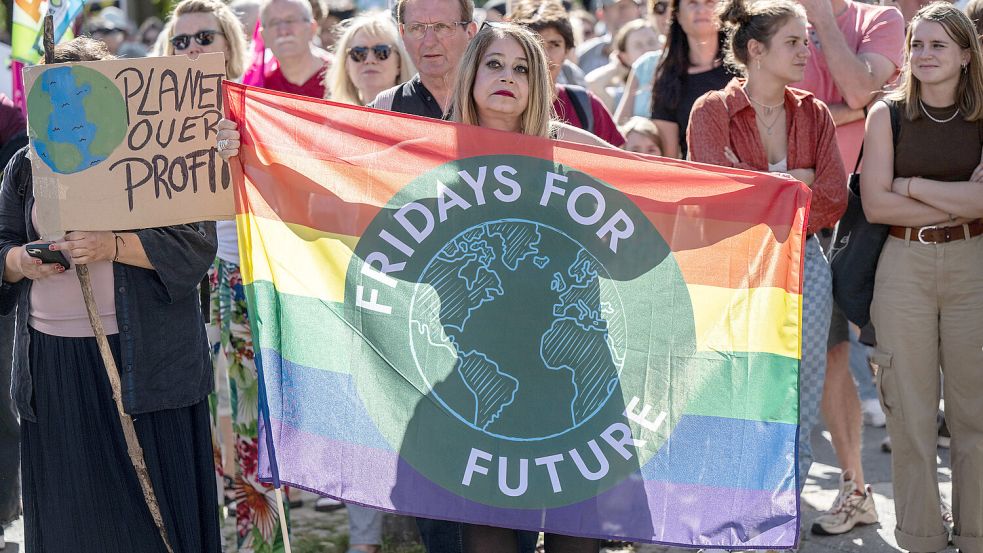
{"x":939,"y":151}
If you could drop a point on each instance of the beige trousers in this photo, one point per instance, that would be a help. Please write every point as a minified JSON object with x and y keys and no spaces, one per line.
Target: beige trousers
{"x":928,"y":312}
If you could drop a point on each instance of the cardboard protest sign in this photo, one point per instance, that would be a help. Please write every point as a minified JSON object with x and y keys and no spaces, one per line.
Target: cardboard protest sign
{"x":127,"y":144}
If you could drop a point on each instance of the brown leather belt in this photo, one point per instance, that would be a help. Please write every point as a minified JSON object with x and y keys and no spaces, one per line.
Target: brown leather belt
{"x":939,"y":235}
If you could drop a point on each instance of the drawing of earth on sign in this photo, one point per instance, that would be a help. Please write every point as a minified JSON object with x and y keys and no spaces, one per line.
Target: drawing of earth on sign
{"x":77,"y":117}
{"x":502,"y":266}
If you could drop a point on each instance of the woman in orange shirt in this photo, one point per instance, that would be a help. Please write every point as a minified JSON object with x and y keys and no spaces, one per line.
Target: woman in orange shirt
{"x":759,"y":123}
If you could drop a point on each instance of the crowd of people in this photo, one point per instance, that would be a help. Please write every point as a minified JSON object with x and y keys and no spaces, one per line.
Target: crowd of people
{"x":805,"y":88}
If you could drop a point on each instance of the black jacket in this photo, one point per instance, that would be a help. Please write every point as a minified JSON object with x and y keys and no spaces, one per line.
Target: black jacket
{"x":164,"y":352}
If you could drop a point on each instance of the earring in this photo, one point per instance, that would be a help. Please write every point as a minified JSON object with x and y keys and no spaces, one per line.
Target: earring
{"x":965,"y":68}
{"x":758,"y":61}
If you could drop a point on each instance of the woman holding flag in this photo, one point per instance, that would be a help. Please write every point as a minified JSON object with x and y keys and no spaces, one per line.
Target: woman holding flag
{"x":503,"y":84}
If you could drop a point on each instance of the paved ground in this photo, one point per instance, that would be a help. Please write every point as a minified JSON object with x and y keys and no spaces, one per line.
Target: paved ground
{"x":319,"y":532}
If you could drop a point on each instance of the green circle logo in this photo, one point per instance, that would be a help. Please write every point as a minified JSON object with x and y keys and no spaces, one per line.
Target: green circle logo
{"x":77,"y":118}
{"x":522,"y":315}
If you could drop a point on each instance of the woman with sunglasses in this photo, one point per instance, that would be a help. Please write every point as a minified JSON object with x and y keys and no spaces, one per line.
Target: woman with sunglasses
{"x":369,"y":58}
{"x":201,"y":27}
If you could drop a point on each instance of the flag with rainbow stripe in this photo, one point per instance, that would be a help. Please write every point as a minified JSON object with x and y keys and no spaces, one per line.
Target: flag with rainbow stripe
{"x":470,"y":325}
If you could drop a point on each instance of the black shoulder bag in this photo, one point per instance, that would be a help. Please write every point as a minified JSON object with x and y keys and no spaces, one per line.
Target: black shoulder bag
{"x":856,"y":246}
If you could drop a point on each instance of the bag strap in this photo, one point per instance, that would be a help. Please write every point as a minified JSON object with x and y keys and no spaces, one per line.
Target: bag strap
{"x":581,"y":105}
{"x":892,"y":108}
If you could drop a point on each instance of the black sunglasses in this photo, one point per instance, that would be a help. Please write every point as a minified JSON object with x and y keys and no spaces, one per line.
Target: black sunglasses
{"x":358,"y":54}
{"x":203,"y":38}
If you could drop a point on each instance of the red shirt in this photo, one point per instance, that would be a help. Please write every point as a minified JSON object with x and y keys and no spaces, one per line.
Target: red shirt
{"x":604,"y":127}
{"x":313,"y":87}
{"x":726,"y":118}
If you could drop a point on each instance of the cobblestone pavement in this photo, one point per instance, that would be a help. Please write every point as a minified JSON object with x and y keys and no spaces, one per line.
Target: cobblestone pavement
{"x":328,"y":532}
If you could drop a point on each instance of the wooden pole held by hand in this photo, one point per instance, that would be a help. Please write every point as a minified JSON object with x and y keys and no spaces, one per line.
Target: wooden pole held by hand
{"x":129,"y":432}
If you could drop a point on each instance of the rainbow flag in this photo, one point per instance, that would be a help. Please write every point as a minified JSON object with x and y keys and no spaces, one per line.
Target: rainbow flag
{"x":471,"y":325}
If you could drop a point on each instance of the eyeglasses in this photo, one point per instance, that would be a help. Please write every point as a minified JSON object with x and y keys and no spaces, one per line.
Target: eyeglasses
{"x":203,"y":38}
{"x":441,"y":29}
{"x":358,"y":54}
{"x":660,"y":7}
{"x":290,"y":22}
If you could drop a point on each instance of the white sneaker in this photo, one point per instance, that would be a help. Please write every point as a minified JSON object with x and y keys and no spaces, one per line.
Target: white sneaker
{"x":873,"y":414}
{"x":852,"y":507}
{"x":947,"y":520}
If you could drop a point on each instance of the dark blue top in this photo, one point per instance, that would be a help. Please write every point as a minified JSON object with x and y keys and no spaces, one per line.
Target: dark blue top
{"x":164,"y":352}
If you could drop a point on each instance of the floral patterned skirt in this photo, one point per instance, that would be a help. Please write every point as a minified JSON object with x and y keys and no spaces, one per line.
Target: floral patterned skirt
{"x":257,"y":519}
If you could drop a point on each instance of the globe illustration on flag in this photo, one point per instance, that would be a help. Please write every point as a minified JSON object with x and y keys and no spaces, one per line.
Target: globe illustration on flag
{"x":77,"y":117}
{"x":554,"y":367}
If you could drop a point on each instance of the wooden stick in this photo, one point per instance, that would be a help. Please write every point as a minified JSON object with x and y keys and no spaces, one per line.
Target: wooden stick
{"x":283,"y":520}
{"x":129,"y":432}
{"x":48,"y":38}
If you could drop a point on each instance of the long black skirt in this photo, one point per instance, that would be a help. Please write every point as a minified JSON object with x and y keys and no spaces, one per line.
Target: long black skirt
{"x":80,"y":490}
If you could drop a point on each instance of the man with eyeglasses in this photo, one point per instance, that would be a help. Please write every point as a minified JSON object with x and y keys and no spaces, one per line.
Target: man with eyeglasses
{"x":288,"y":29}
{"x":436,"y":33}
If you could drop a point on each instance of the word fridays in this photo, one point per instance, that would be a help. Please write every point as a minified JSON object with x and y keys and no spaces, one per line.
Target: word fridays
{"x":584,"y":204}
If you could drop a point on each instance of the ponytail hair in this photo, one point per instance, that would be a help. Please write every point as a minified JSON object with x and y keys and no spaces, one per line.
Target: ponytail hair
{"x":744,"y":20}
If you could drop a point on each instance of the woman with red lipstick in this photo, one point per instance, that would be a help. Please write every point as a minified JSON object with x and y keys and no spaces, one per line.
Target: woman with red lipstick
{"x":926,"y":181}
{"x":504,"y":84}
{"x":761,"y":124}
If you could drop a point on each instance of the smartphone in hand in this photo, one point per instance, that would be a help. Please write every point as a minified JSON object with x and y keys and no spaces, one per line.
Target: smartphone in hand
{"x":39,"y":250}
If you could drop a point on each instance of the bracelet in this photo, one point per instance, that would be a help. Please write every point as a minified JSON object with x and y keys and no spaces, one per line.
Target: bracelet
{"x":117,"y":239}
{"x":907,"y":190}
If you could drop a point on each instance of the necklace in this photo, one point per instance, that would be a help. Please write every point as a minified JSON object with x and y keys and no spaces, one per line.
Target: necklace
{"x":929,"y":115}
{"x":769,"y":126}
{"x":768,"y":109}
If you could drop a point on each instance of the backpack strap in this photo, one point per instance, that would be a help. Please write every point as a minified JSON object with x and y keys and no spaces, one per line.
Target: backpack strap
{"x":582,"y":105}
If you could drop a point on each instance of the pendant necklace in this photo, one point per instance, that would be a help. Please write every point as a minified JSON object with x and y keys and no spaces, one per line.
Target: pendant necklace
{"x":929,"y":115}
{"x":767,"y":126}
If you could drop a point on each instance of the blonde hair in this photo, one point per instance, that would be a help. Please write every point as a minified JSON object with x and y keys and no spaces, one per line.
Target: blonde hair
{"x":228,"y":24}
{"x":969,"y":90}
{"x":538,"y":115}
{"x":644,"y":126}
{"x":337,"y":84}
